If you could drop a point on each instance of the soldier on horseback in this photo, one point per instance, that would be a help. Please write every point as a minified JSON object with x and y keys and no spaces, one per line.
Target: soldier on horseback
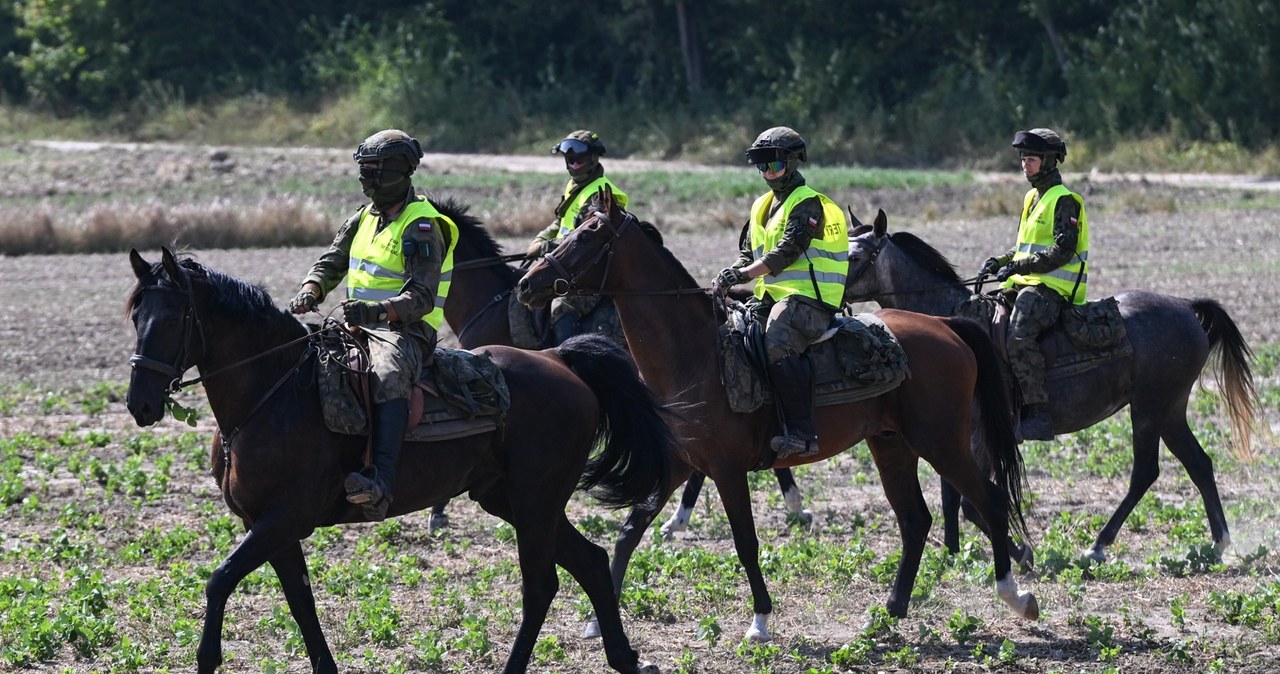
{"x":1045,"y":271}
{"x":581,"y":150}
{"x":795,"y":246}
{"x":397,"y":256}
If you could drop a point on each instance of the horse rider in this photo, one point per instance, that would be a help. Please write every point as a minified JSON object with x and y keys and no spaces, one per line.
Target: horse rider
{"x":396,"y":253}
{"x":581,"y":150}
{"x":1046,"y":270}
{"x":795,"y":245}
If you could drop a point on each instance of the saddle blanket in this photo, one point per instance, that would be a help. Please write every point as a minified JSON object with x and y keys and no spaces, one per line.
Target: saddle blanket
{"x":855,"y":359}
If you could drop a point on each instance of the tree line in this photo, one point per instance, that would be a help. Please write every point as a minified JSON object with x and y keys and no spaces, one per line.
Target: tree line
{"x":911,"y":81}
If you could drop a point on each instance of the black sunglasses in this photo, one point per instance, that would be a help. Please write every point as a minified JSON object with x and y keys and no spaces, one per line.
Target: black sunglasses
{"x":571,"y":146}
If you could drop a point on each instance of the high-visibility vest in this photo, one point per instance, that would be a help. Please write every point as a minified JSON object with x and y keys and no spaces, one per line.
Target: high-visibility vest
{"x":1035,"y":233}
{"x":376,"y":269}
{"x":820,"y":272}
{"x":566,"y":221}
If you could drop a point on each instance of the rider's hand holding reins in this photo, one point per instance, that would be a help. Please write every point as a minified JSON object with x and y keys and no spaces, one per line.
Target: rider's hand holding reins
{"x":731,"y":276}
{"x":306,"y":300}
{"x":989,"y":267}
{"x":357,"y":312}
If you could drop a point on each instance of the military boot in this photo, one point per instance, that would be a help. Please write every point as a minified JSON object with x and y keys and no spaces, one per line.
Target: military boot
{"x":1036,"y":424}
{"x":792,"y":379}
{"x":371,"y":487}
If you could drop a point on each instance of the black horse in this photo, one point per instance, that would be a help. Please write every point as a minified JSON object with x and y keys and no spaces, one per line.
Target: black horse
{"x":281,"y":470}
{"x":1172,"y":339}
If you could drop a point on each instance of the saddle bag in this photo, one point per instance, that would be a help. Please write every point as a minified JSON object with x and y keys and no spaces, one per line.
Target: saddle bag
{"x":1094,"y":325}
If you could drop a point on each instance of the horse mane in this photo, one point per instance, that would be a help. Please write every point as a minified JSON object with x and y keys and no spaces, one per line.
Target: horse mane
{"x":923,"y":254}
{"x":471,"y":231}
{"x":227,"y":293}
{"x":651,"y":231}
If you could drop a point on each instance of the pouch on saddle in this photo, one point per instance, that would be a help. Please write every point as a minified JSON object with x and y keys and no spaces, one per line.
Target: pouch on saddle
{"x":460,"y":394}
{"x":855,"y":359}
{"x":530,"y":327}
{"x":1086,"y":335}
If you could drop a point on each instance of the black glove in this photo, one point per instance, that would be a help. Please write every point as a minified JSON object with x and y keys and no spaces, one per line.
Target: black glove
{"x":989,"y":267}
{"x":1005,"y":272}
{"x":306,"y":300}
{"x":356,"y":312}
{"x":731,"y":276}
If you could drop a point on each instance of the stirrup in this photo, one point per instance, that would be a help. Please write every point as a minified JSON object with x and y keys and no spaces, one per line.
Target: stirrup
{"x":784,"y":446}
{"x":362,"y":489}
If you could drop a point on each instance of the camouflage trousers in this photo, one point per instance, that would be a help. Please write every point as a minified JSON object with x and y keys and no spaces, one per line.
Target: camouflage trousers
{"x":791,"y":324}
{"x":395,"y":359}
{"x":1035,"y":309}
{"x":576,"y":306}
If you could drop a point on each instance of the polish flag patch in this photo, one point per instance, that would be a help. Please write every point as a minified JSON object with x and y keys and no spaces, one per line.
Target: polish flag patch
{"x":424,"y":225}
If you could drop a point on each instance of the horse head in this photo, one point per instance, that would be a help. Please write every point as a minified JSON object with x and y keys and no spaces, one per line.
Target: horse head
{"x":580,"y":264}
{"x":163,"y":313}
{"x":866,"y":242}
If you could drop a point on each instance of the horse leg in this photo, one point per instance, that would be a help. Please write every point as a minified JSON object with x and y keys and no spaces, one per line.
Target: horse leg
{"x":896,"y":464}
{"x":1182,"y":443}
{"x":688,"y":499}
{"x":538,"y":581}
{"x":736,"y":497}
{"x":1146,"y":468}
{"x":291,"y":568}
{"x":951,"y":518}
{"x":261,"y":543}
{"x":588,"y":563}
{"x":439,"y":518}
{"x":792,"y":497}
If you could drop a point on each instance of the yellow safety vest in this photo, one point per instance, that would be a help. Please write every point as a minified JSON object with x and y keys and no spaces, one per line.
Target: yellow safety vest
{"x":825,"y":263}
{"x":566,"y":222}
{"x":376,"y":269}
{"x":1035,"y":233}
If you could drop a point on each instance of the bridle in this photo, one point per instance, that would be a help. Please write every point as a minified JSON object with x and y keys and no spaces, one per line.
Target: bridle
{"x":567,"y":284}
{"x":871,"y":261}
{"x":190,"y":325}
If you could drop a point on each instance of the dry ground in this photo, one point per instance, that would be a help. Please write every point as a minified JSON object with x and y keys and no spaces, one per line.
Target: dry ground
{"x":61,"y":325}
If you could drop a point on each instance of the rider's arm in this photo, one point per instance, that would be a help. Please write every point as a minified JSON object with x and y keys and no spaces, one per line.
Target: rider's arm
{"x":422,"y":267}
{"x":805,"y":223}
{"x":1066,"y":234}
{"x":331,"y":268}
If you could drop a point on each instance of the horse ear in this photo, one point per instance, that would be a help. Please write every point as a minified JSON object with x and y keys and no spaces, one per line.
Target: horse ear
{"x":881,"y":224}
{"x":141,"y":268}
{"x":854,"y":222}
{"x":171,"y":266}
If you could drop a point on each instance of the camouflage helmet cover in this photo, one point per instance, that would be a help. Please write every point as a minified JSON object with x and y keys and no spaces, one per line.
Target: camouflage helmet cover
{"x":780,"y":142}
{"x":389,"y":143}
{"x":590,"y":138}
{"x":1043,"y":142}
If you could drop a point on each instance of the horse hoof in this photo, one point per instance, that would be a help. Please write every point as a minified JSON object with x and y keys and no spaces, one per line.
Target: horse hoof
{"x":1095,"y":554}
{"x":649,"y":668}
{"x":758,"y":633}
{"x":1223,"y":544}
{"x":1031,"y":608}
{"x":437,"y":523}
{"x":592,"y":630}
{"x":804,"y":517}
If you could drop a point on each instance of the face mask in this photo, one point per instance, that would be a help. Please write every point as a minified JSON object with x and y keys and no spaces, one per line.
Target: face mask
{"x":588,"y":163}
{"x":381,"y":193}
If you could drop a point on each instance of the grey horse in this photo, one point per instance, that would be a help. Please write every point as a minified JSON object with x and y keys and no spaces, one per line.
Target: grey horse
{"x":1172,"y":339}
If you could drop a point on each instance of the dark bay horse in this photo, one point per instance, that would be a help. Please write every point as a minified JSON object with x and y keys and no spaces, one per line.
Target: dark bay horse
{"x":671,"y":326}
{"x":1172,"y":339}
{"x":281,"y":470}
{"x":477,"y":313}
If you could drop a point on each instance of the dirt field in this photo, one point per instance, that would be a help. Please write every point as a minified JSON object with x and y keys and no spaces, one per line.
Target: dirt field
{"x":62,"y":329}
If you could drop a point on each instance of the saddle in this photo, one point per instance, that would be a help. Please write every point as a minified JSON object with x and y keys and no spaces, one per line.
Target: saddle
{"x":1086,"y":336}
{"x":855,"y":359}
{"x":460,"y":394}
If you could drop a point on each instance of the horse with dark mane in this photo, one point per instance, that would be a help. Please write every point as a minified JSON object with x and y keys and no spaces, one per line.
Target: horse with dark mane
{"x":1172,"y":340}
{"x":281,"y":470}
{"x":671,"y":326}
{"x":482,"y":285}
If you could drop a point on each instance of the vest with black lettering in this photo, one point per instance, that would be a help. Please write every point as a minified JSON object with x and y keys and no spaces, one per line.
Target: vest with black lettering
{"x":820,"y":272}
{"x":571,"y":213}
{"x":1035,"y":234}
{"x":376,"y":269}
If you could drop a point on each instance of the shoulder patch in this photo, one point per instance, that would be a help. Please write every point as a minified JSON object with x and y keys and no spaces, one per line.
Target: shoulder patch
{"x":425,"y":225}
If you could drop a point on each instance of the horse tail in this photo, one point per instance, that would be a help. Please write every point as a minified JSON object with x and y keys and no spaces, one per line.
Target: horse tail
{"x":1232,"y":372}
{"x":632,"y":465}
{"x":1000,"y":444}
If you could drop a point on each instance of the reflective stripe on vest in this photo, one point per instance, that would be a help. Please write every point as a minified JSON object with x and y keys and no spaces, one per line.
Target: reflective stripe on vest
{"x":566,"y":222}
{"x":826,"y":262}
{"x":1035,"y":234}
{"x":376,"y":271}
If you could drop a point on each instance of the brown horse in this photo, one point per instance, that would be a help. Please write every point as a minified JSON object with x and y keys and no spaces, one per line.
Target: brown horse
{"x":671,"y":327}
{"x":281,"y":470}
{"x":482,"y":284}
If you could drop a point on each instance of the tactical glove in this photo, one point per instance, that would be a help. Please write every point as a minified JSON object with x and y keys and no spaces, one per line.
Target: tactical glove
{"x":539,"y":247}
{"x":989,"y":267}
{"x":306,"y":300}
{"x":1004,"y":273}
{"x":731,"y":276}
{"x":356,"y":312}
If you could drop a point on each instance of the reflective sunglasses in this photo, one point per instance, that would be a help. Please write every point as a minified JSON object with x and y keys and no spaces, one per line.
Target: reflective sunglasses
{"x":572,"y":146}
{"x":775,"y":165}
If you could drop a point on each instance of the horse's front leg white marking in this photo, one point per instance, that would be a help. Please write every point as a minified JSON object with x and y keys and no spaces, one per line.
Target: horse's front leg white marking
{"x":592,"y":630}
{"x":759,"y":630}
{"x":678,"y":523}
{"x":795,"y":505}
{"x":1023,"y":603}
